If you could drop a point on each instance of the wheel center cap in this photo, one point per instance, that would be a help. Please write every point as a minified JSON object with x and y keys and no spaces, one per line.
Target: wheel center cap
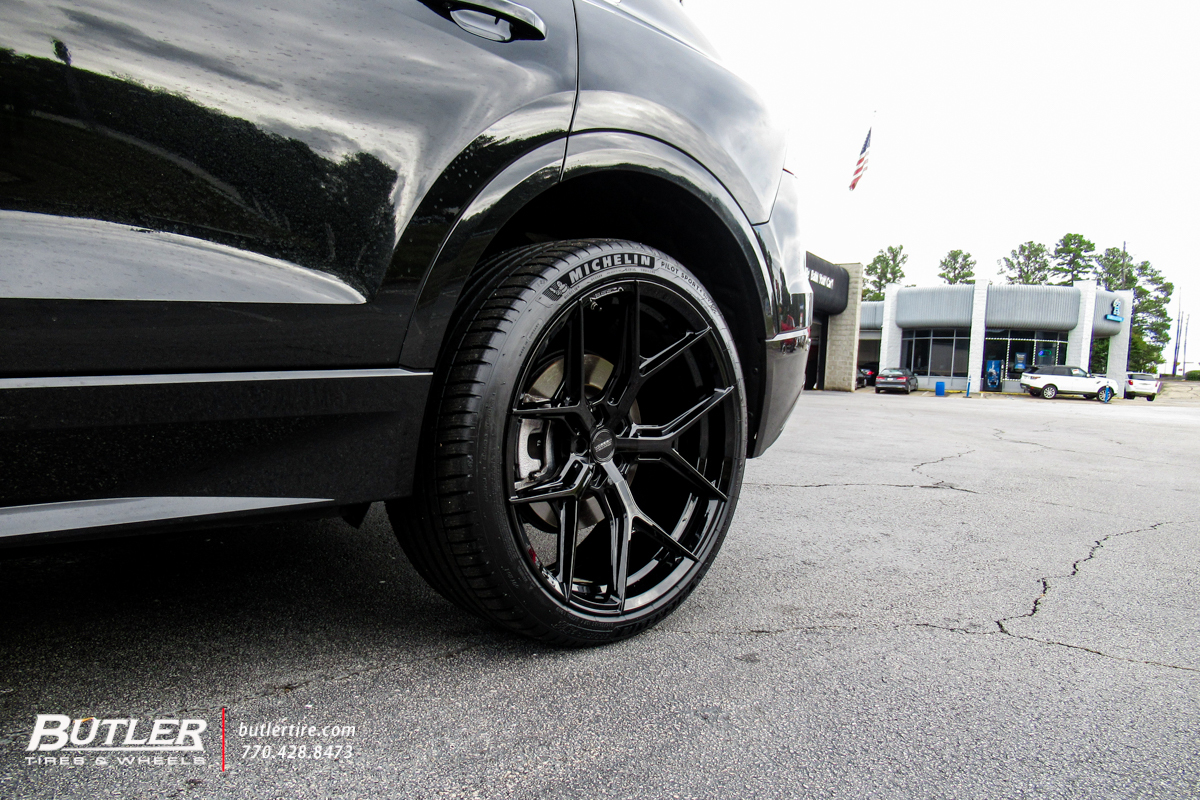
{"x":604,"y":444}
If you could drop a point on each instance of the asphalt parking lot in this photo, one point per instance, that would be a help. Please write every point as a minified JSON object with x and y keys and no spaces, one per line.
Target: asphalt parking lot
{"x":920,"y":597}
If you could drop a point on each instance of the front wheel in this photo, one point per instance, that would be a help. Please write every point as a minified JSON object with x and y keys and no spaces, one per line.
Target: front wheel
{"x":585,"y":447}
{"x":1105,"y":394}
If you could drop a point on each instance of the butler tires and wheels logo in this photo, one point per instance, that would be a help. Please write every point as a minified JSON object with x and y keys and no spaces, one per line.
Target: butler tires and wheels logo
{"x":126,"y":741}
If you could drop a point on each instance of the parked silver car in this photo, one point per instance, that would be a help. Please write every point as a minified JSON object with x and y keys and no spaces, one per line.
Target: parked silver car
{"x":1142,"y":384}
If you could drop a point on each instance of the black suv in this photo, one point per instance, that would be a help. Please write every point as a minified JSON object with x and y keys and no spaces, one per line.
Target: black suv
{"x":527,"y":271}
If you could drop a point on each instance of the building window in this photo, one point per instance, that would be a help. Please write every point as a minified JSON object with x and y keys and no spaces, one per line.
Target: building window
{"x":1017,"y":351}
{"x":936,"y":352}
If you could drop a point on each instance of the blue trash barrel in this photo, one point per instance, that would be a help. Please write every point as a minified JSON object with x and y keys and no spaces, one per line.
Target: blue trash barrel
{"x":940,"y":389}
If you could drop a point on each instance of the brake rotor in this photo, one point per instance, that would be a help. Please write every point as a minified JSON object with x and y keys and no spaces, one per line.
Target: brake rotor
{"x":539,"y":452}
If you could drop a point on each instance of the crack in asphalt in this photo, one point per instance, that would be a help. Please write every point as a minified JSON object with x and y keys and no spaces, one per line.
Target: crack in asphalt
{"x":998,"y":433}
{"x":942,"y":484}
{"x":1067,"y":645}
{"x":938,"y":485}
{"x":773,"y":631}
{"x":1045,"y":580}
{"x":1002,"y":630}
{"x":917,"y":469}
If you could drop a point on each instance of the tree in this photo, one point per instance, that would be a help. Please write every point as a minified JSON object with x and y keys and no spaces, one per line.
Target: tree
{"x":887,"y":267}
{"x":1074,"y":259}
{"x":1114,"y":270}
{"x":957,"y":267}
{"x":1029,"y":263}
{"x":1149,"y":322}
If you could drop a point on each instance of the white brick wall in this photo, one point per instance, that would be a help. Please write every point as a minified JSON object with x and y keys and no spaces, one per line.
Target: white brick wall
{"x":978,"y":330}
{"x":1079,"y":340}
{"x":841,"y":349}
{"x":889,"y":344}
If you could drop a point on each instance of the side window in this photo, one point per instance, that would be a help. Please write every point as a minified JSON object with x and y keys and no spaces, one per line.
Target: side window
{"x":1078,"y":373}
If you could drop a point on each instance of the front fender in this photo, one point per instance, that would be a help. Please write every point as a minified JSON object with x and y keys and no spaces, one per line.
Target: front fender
{"x":464,"y":244}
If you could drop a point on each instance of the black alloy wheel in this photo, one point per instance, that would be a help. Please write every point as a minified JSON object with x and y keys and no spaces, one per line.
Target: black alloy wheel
{"x":588,"y":448}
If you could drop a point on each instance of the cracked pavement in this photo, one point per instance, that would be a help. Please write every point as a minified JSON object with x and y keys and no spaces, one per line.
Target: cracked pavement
{"x":920,"y":597}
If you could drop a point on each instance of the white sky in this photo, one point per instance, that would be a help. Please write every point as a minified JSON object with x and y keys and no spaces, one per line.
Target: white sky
{"x":994,"y":124}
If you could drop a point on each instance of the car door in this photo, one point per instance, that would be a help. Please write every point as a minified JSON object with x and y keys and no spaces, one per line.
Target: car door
{"x":1079,"y":382}
{"x":203,"y":206}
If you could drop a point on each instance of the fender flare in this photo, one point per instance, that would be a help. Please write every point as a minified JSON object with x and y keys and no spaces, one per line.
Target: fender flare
{"x":442,"y":284}
{"x":618,"y":150}
{"x":537,"y":171}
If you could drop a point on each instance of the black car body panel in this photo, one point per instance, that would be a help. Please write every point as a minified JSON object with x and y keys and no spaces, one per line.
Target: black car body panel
{"x":236,"y":237}
{"x":633,"y":78}
{"x":787,"y":347}
{"x":288,"y":149}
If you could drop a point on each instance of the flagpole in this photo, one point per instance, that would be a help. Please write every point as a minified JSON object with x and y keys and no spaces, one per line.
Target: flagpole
{"x":1186,"y":325}
{"x":1178,"y":332}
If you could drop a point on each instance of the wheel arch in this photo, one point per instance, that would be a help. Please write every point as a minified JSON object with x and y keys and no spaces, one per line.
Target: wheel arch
{"x":611,"y":185}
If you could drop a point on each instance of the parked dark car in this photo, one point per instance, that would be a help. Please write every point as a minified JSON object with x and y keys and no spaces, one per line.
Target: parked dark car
{"x":864,"y":377}
{"x":872,"y":371}
{"x":896,"y":380}
{"x":526,"y":271}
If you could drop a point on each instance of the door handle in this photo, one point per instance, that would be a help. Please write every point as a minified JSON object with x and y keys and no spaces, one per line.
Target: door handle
{"x":497,"y":20}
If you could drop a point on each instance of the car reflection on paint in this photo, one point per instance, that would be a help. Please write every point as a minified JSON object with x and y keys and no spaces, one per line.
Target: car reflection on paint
{"x":896,"y":380}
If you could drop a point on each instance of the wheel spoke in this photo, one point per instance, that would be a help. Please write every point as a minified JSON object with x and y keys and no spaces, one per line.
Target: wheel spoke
{"x":656,"y":362}
{"x":546,"y":412}
{"x":619,"y":526}
{"x":574,"y":376}
{"x":626,"y":371}
{"x":694,"y":476}
{"x":569,"y":483}
{"x":693,"y":415}
{"x":661,"y":438}
{"x":568,"y":527}
{"x":663,"y":538}
{"x":570,"y":401}
{"x":632,"y":514}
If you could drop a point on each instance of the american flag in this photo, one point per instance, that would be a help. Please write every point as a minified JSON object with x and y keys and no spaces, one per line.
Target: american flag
{"x":862,"y":162}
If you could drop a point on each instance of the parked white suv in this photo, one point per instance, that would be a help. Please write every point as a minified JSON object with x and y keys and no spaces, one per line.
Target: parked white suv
{"x":1049,"y":382}
{"x":1142,"y":384}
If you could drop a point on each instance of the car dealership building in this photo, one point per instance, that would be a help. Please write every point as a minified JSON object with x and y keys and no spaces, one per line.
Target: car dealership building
{"x":982,"y":333}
